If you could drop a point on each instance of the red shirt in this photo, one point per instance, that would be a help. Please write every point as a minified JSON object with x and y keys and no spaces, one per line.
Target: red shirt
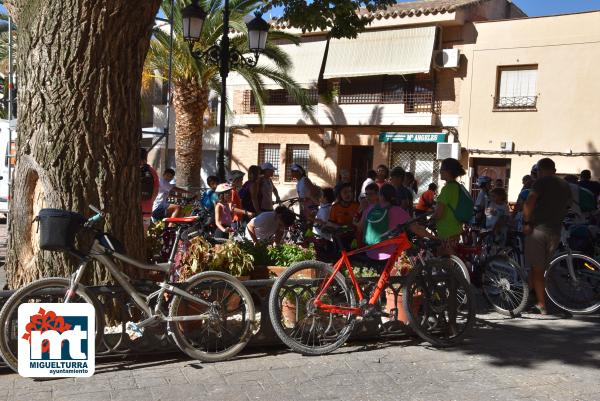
{"x":236,"y":203}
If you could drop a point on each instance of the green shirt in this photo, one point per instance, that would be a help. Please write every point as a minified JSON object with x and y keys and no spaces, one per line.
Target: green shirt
{"x":448,"y":225}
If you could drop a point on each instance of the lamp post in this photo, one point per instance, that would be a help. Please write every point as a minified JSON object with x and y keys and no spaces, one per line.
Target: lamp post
{"x":220,"y":54}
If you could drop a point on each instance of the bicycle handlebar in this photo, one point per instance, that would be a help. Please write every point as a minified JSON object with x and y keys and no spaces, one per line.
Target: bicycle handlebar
{"x":95,"y":218}
{"x":403,"y":227}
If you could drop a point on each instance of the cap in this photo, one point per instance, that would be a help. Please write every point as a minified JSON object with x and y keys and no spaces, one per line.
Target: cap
{"x":296,"y":167}
{"x":223,"y":188}
{"x":235,"y":174}
{"x":267,"y":166}
{"x":484,"y":179}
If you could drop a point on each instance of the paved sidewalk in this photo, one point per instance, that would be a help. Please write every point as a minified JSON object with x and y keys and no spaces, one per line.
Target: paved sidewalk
{"x":527,"y":358}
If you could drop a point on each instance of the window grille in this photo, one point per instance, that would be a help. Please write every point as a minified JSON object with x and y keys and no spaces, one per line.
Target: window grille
{"x":269,"y":153}
{"x":296,"y":154}
{"x":420,"y":160}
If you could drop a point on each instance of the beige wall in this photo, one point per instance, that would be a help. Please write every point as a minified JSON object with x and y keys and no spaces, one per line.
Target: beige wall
{"x":567,"y":52}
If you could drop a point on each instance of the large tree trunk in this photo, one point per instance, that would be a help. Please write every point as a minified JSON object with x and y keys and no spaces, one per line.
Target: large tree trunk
{"x":79,"y":66}
{"x":191,"y":102}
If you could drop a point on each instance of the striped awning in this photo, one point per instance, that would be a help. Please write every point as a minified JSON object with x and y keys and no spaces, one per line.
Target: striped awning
{"x":392,"y":52}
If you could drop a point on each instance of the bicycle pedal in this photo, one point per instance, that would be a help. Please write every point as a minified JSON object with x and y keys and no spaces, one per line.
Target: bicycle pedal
{"x":136,"y":330}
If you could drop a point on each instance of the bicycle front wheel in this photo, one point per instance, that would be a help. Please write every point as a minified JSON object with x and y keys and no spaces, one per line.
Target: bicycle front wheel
{"x":504,"y":285}
{"x":439,"y":302}
{"x":301,"y":325}
{"x":217,"y":331}
{"x":47,"y":290}
{"x":577,"y":293}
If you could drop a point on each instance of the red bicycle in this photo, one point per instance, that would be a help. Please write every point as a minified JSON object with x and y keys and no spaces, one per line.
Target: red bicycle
{"x":314,"y":306}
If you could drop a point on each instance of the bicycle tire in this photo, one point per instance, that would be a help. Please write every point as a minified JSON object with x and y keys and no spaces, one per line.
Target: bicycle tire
{"x":275,"y":309}
{"x":246,"y":318}
{"x":505,"y":286}
{"x":558,"y":279}
{"x":462,"y":266}
{"x":10,"y":311}
{"x":424,"y":295}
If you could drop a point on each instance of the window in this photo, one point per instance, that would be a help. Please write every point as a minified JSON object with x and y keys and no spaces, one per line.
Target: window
{"x":295,"y":154}
{"x":269,"y":153}
{"x":516,"y":87}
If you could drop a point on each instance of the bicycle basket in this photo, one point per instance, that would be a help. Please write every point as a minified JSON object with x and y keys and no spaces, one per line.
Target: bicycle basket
{"x":58,"y":229}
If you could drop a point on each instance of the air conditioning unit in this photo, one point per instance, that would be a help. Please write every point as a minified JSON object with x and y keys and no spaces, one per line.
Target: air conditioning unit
{"x":507,"y":146}
{"x":446,"y":150}
{"x":446,"y":58}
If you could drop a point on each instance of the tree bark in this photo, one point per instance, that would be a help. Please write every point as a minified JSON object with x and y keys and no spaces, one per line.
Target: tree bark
{"x":190,"y":101}
{"x":79,"y":65}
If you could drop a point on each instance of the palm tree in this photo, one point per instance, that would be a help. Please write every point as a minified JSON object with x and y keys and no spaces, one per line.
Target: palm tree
{"x":193,"y":80}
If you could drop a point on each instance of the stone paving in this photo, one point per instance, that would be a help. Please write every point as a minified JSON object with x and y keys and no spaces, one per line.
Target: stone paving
{"x":533,"y":358}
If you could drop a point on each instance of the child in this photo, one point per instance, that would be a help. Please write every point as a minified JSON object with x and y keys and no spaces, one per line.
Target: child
{"x":343,"y":212}
{"x":325,"y":202}
{"x":496,"y":214}
{"x":426,"y":202}
{"x":210,"y":197}
{"x":371,"y":198}
{"x":223,"y":215}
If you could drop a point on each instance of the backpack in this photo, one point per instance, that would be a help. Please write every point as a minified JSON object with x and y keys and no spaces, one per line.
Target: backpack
{"x":463,"y":211}
{"x":587,"y":203}
{"x":246,"y":197}
{"x":207,"y":200}
{"x":146,"y":183}
{"x":377,"y":224}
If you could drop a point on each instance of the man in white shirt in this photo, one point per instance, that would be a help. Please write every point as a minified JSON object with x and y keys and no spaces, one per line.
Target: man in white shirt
{"x":270,"y":226}
{"x":371,"y":176}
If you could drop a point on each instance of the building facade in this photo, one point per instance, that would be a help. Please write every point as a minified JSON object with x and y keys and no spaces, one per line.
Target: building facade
{"x":388,"y":97}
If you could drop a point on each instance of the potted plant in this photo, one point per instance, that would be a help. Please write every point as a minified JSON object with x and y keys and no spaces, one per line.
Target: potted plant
{"x":231,"y":258}
{"x":284,"y":255}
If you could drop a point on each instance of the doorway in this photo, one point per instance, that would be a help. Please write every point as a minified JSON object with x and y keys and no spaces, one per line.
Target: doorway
{"x":495,"y":168}
{"x":362,"y":162}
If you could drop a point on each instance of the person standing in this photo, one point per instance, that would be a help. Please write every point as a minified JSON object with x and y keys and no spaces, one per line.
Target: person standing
{"x":267,"y":188}
{"x":306,"y":192}
{"x":483,"y":199}
{"x":149,"y":184}
{"x":404,"y":196}
{"x":543,"y":215}
{"x":448,"y":226}
{"x":371,"y":177}
{"x":383,"y":173}
{"x":223,"y":211}
{"x":585,"y":181}
{"x":239,"y":213}
{"x":249,"y":193}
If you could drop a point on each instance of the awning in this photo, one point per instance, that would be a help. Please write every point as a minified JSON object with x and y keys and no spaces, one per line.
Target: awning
{"x":393,"y":52}
{"x":307,"y":59}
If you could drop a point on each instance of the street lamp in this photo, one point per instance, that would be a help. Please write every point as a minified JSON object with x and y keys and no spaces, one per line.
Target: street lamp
{"x":220,"y":54}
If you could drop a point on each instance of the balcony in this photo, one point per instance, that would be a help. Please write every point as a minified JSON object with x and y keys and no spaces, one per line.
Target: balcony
{"x":515,"y":103}
{"x":367,"y":107}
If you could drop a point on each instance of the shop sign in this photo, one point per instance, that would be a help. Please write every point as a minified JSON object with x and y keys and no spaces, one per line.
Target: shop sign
{"x":433,"y":137}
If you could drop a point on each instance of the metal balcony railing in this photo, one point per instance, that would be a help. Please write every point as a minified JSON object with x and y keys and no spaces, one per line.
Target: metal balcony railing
{"x":515,"y":102}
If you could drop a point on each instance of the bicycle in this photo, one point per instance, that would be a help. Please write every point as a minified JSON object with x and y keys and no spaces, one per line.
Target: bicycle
{"x":437,"y":299}
{"x":573,"y":280}
{"x":210,"y":316}
{"x":502,"y":280}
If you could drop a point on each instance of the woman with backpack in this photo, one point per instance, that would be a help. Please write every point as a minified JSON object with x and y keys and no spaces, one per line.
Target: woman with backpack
{"x":454,"y":205}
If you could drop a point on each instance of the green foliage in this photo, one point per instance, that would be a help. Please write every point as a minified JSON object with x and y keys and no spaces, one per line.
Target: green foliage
{"x":287,"y":254}
{"x":337,"y":16}
{"x":229,"y":257}
{"x":258,"y":252}
{"x":154,"y":240}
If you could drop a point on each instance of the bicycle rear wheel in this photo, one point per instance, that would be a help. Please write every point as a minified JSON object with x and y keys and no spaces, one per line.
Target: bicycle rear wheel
{"x":439,"y":302}
{"x":47,"y":290}
{"x":228,"y":323}
{"x":297,"y":321}
{"x":504,"y":285}
{"x":578,"y":294}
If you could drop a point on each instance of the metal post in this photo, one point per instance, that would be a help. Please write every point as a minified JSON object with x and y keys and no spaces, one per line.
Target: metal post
{"x":171,"y":19}
{"x":224,"y":70}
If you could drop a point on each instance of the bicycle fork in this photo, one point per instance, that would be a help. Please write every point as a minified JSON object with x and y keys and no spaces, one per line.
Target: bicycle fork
{"x":75,"y":279}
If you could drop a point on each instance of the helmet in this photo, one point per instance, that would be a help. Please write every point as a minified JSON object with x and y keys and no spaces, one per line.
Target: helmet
{"x":534,"y":169}
{"x":484,"y":179}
